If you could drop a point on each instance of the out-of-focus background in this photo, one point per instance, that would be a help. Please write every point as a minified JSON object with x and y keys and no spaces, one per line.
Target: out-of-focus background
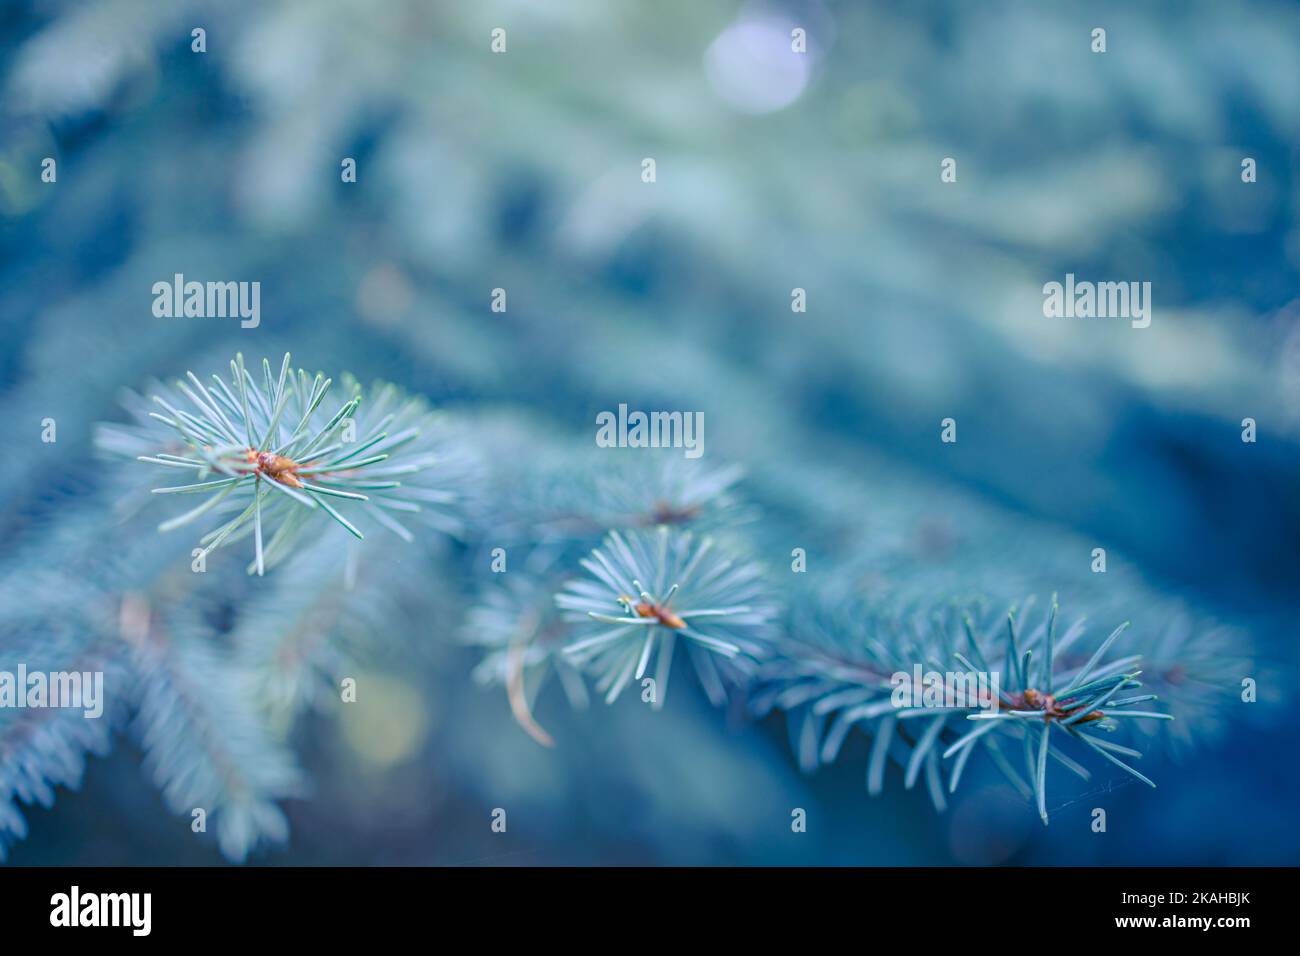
{"x":522,"y":170}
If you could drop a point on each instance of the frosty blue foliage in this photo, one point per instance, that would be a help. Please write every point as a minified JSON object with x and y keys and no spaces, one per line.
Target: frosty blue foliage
{"x":664,"y":489}
{"x":206,"y":745}
{"x":651,"y":588}
{"x":677,"y":296}
{"x":266,"y":455}
{"x":835,"y":672}
{"x":523,"y":634}
{"x":212,"y":722}
{"x":44,"y":749}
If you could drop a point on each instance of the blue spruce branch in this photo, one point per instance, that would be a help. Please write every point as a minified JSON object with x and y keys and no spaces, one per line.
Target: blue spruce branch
{"x":616,"y":562}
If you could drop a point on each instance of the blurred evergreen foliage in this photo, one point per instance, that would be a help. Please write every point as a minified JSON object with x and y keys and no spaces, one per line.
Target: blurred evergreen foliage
{"x":521,"y":171}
